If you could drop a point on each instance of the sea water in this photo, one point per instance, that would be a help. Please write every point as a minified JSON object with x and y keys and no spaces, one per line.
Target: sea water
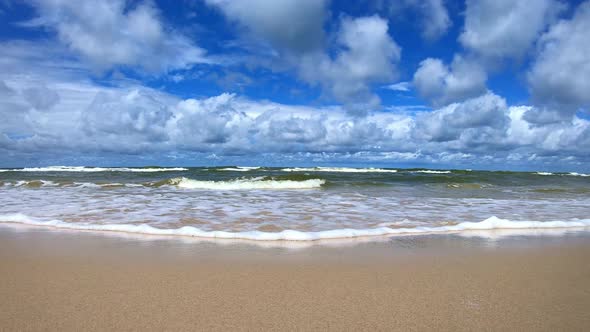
{"x":298,"y":204}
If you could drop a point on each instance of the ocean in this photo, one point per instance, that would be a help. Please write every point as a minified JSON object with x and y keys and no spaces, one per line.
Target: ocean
{"x":293,"y":204}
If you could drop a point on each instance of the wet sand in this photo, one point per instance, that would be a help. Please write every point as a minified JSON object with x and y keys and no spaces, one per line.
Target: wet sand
{"x":70,"y":281}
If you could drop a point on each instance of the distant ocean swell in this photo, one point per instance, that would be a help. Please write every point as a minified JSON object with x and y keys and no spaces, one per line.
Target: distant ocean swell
{"x":490,"y":224}
{"x":95,"y":169}
{"x":152,"y":169}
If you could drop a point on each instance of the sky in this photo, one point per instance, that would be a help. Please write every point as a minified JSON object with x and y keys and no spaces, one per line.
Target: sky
{"x":475,"y":84}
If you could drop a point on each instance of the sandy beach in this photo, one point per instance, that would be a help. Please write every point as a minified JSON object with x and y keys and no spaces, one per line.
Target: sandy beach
{"x":82,"y":281}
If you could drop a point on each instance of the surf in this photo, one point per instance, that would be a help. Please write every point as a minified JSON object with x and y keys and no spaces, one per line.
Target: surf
{"x":490,"y":224}
{"x":245,"y":184}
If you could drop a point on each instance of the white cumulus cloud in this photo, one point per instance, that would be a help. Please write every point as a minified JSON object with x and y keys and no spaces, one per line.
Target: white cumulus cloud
{"x":442,"y":85}
{"x":506,"y":28}
{"x":367,"y":55}
{"x":559,"y":77}
{"x":108,"y":34}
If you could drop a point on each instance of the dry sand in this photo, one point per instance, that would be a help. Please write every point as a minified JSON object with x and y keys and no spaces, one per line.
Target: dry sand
{"x":81,"y":282}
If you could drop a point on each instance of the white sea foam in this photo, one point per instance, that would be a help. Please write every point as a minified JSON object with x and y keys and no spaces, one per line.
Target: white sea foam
{"x":186,"y":183}
{"x":492,"y":223}
{"x":428,"y":171}
{"x":86,"y":185}
{"x":339,"y":169}
{"x":239,"y":169}
{"x":244,"y":184}
{"x":567,"y":174}
{"x":33,"y":183}
{"x":578,"y":174}
{"x":48,"y":183}
{"x":94,"y":169}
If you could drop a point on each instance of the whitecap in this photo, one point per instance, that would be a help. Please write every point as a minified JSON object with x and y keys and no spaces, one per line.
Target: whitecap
{"x":239,"y":169}
{"x":245,"y":184}
{"x":339,"y":169}
{"x":429,"y":171}
{"x":544,"y":173}
{"x":578,"y":174}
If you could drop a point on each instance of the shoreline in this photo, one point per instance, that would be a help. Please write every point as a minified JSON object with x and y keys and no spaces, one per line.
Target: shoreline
{"x":492,"y":227}
{"x":70,"y":281}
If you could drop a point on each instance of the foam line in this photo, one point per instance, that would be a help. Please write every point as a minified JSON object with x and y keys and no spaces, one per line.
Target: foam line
{"x":492,"y":223}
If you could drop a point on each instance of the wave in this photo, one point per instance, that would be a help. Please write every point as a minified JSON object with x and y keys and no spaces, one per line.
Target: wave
{"x":578,"y":174}
{"x":34,"y":183}
{"x":238,"y":168}
{"x":338,"y":169}
{"x":67,"y":184}
{"x":95,"y":169}
{"x":244,"y":184}
{"x":562,"y":174}
{"x":186,"y":183}
{"x":428,"y":171}
{"x":490,"y":224}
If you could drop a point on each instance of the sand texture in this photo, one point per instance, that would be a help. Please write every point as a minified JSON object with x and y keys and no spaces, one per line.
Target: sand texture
{"x":82,"y":282}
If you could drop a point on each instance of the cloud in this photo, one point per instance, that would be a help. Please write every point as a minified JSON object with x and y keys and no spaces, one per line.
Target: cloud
{"x":208,"y":124}
{"x":435,"y":19}
{"x":295,"y":26}
{"x":5,"y":90}
{"x":401,"y":86}
{"x":442,"y":85}
{"x":558,"y":78}
{"x":52,"y":111}
{"x":359,"y":53}
{"x":137,"y":116}
{"x":108,"y":34}
{"x":41,"y":98}
{"x":433,"y":16}
{"x":119,"y":122}
{"x":367,"y":54}
{"x":506,"y":28}
{"x":479,"y":119}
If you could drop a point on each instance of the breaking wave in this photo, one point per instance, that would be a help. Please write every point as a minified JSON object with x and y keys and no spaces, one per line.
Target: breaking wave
{"x":238,"y":168}
{"x":428,"y":171}
{"x":544,"y":173}
{"x":33,"y":183}
{"x":280,"y":182}
{"x":339,"y":169}
{"x":492,"y":223}
{"x":562,"y":174}
{"x":244,"y":184}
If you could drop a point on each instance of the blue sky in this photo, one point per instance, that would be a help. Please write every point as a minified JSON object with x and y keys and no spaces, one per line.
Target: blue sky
{"x":462,"y":84}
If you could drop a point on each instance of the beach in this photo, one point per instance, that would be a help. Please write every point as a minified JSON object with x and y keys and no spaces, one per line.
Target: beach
{"x":67,"y":280}
{"x":294,"y":165}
